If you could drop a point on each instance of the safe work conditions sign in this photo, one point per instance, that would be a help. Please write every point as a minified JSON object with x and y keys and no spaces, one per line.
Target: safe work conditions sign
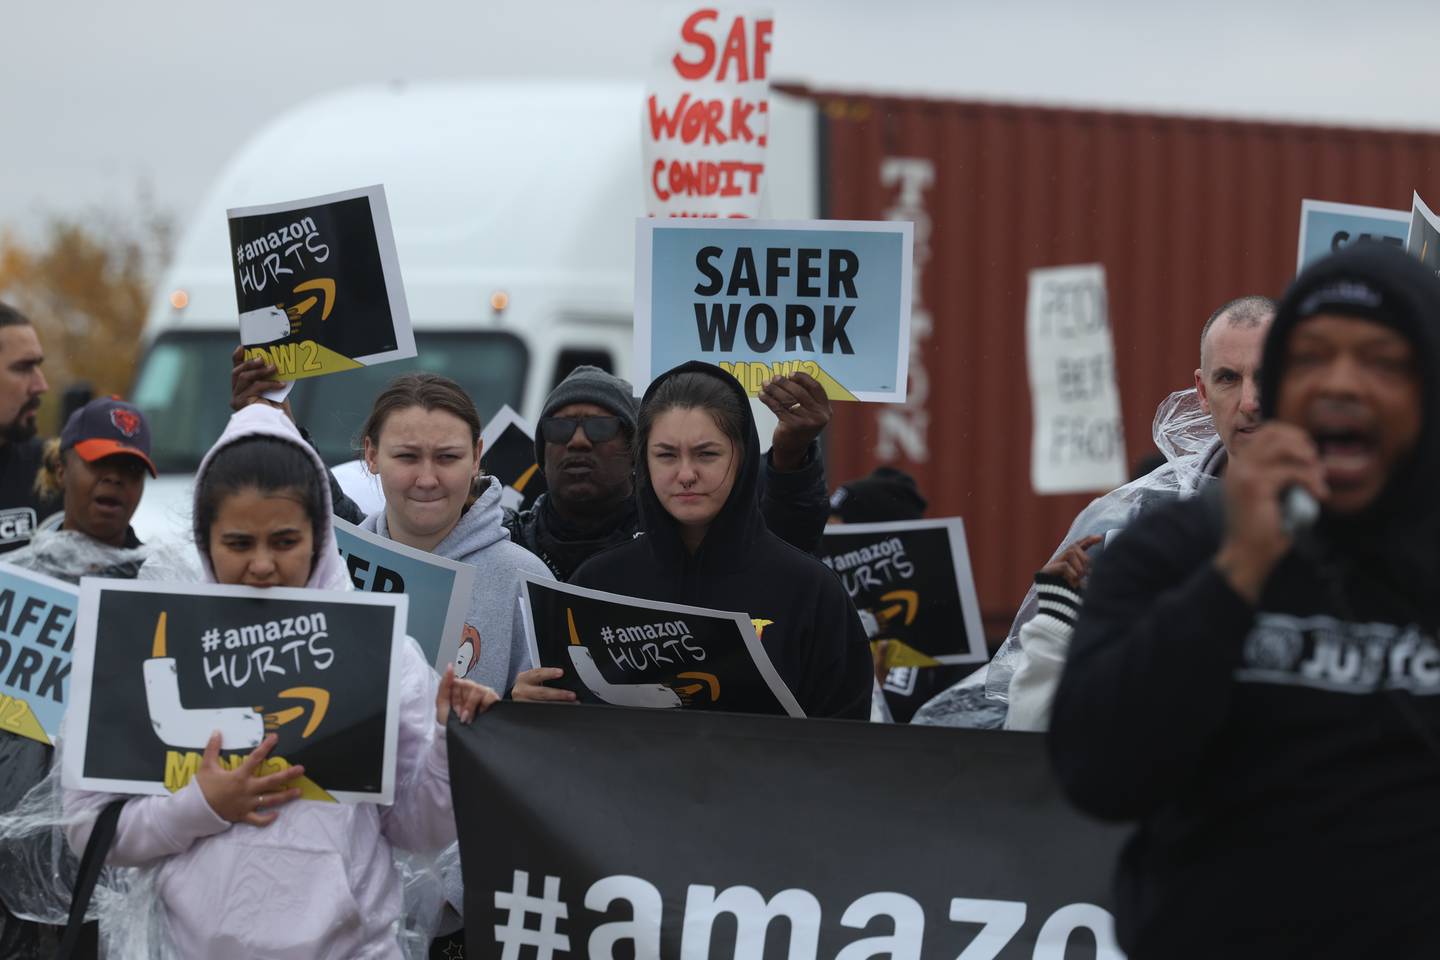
{"x":829,"y":298}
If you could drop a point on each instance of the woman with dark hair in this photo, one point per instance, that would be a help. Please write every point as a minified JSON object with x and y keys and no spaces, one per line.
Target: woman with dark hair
{"x":241,"y":866}
{"x":706,"y":544}
{"x":422,"y":439}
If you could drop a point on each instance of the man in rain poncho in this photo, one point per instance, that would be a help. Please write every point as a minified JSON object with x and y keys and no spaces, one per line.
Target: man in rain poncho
{"x":1197,"y":430}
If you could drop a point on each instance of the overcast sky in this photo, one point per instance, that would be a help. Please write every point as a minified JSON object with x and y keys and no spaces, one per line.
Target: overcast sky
{"x":97,"y":99}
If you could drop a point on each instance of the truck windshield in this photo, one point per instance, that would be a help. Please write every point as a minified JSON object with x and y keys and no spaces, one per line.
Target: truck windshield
{"x":184,"y":390}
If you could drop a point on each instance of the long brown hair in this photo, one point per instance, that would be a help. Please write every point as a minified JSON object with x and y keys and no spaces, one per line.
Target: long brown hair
{"x":428,"y":391}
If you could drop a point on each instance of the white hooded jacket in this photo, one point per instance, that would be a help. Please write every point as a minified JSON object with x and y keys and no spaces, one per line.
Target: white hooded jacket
{"x":319,"y":882}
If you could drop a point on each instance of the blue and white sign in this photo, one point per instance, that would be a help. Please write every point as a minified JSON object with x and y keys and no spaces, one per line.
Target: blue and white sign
{"x":830,"y":298}
{"x":1326,"y":227}
{"x":37,"y":629}
{"x":439,"y":588}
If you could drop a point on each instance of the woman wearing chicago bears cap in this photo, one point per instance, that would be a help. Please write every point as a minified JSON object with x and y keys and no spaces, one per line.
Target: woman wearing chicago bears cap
{"x":97,"y":466}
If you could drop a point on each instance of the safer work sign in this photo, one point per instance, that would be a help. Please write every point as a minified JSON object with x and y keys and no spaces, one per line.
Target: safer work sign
{"x":829,"y":298}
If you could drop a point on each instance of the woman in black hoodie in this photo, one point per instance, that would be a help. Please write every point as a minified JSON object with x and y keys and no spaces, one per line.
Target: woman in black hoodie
{"x":706,"y":544}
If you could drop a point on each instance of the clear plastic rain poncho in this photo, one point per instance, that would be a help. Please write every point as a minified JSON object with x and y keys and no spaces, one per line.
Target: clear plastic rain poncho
{"x":37,"y":868}
{"x":1185,"y":434}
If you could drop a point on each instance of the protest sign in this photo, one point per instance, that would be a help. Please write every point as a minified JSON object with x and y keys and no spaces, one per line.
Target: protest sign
{"x":629,"y":652}
{"x":707,"y":113}
{"x":1078,"y":439}
{"x":830,"y":298}
{"x":699,"y":836}
{"x":1326,"y":227}
{"x":1423,"y":239}
{"x":37,"y":629}
{"x":439,"y":590}
{"x":914,"y":577}
{"x":158,"y":667}
{"x":317,"y":283}
{"x":508,"y":455}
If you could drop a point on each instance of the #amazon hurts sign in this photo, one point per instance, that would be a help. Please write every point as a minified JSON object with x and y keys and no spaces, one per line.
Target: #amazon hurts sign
{"x":643,"y":653}
{"x":317,"y":283}
{"x":829,"y":298}
{"x":914,"y":578}
{"x":159,"y":667}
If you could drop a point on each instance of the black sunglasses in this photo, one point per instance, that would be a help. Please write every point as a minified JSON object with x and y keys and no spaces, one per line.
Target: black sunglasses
{"x":561,"y":429}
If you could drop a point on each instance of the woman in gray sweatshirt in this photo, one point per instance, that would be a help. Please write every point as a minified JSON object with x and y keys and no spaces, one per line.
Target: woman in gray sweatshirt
{"x":422,"y":439}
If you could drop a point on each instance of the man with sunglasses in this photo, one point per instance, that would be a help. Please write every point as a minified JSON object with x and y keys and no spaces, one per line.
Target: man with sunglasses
{"x":583,"y":443}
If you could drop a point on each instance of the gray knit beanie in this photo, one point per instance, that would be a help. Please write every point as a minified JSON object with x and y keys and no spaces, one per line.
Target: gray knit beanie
{"x":587,"y":384}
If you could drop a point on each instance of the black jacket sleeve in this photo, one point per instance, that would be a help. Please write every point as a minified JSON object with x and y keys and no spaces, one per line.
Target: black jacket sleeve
{"x":341,"y":505}
{"x":842,"y":676}
{"x":796,"y":504}
{"x":1149,"y":677}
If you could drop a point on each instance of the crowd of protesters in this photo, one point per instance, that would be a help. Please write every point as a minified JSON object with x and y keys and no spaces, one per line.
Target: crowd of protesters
{"x":1254,"y":689}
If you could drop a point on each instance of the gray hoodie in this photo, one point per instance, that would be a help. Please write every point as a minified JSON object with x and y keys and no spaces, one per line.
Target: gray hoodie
{"x":493,"y":623}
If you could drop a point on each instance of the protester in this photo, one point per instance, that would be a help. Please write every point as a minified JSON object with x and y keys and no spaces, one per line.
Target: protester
{"x":243,"y":869}
{"x":885,"y":495}
{"x":584,"y":445}
{"x":22,"y":384}
{"x":1198,"y":431}
{"x":422,"y":439}
{"x":96,"y":468}
{"x":706,"y":544}
{"x":1261,"y":697}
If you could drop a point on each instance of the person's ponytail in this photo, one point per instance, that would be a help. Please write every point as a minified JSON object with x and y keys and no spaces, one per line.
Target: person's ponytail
{"x":47,"y":478}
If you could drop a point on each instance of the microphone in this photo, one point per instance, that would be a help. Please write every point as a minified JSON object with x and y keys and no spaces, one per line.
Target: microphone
{"x":1298,"y":510}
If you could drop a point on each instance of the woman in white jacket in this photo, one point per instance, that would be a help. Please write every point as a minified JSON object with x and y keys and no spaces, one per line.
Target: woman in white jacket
{"x":243,"y":870}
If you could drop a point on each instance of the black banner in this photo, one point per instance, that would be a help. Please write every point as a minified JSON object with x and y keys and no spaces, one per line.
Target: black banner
{"x":914,"y":578}
{"x":629,"y":652}
{"x":158,"y":669}
{"x":629,"y":833}
{"x":317,"y":284}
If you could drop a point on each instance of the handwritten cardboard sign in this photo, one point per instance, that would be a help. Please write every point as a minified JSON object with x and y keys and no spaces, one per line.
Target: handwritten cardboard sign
{"x":707,"y":117}
{"x":1078,"y":439}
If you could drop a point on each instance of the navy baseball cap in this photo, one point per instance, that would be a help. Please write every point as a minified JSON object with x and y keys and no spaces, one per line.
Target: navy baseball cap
{"x":106,"y":427}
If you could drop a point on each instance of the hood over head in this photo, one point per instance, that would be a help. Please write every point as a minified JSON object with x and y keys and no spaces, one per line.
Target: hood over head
{"x":1376,"y":282}
{"x":263,"y":420}
{"x":739,"y":520}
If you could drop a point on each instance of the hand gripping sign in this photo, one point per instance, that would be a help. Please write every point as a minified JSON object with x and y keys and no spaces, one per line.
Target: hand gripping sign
{"x":830,"y":298}
{"x":159,"y":667}
{"x":317,"y":283}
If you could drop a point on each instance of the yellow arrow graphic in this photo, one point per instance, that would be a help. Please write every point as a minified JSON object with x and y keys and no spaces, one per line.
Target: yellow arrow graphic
{"x":708,"y":680}
{"x":909,"y":602}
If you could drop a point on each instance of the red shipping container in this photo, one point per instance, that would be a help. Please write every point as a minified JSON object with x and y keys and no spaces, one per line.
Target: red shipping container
{"x":1184,"y":213}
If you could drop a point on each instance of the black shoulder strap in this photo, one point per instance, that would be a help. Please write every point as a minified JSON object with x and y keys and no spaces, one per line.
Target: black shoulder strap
{"x":91,"y":861}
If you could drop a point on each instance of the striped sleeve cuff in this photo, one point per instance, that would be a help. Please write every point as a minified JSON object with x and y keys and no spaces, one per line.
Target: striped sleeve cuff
{"x":1056,"y":598}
